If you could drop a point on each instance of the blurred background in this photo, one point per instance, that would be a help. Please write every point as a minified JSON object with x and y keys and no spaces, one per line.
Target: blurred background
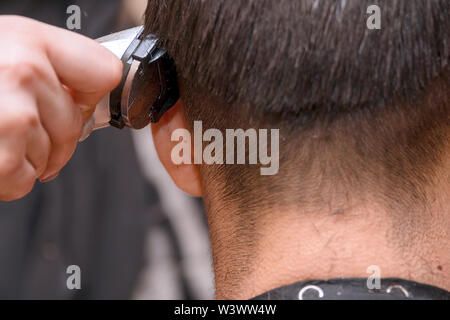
{"x":112,"y":211}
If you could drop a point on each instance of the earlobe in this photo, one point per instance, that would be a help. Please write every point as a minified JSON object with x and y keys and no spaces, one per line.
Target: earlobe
{"x":185,"y":175}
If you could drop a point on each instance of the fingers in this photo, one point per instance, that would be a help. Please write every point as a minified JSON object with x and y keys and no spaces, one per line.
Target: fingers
{"x":40,"y":125}
{"x":61,"y":118}
{"x":38,"y":149}
{"x":21,"y":182}
{"x":87,"y":68}
{"x":50,"y":81}
{"x":20,"y":129}
{"x":83,"y":65}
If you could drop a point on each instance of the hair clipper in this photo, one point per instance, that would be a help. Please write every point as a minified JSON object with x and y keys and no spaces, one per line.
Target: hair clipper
{"x":148,"y":87}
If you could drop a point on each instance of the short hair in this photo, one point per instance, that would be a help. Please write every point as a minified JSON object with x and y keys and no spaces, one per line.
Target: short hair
{"x":306,"y":63}
{"x":306,"y":55}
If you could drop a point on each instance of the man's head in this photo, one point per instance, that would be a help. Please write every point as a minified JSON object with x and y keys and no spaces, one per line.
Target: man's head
{"x":363,"y":114}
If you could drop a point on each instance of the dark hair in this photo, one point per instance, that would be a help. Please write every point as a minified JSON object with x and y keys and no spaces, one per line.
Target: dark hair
{"x":305,"y":55}
{"x":310,"y":62}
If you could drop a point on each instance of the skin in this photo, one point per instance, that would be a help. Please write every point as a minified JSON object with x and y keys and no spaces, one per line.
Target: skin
{"x":49,"y":87}
{"x":306,"y":243}
{"x":185,"y":176}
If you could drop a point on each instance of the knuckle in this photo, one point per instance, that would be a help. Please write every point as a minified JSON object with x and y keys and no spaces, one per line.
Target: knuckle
{"x":19,"y":121}
{"x":24,"y":72}
{"x":27,"y":186}
{"x":21,"y":191}
{"x":10,"y":163}
{"x":29,"y":119}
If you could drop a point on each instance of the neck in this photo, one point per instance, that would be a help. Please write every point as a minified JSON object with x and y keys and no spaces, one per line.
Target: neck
{"x":285,"y":247}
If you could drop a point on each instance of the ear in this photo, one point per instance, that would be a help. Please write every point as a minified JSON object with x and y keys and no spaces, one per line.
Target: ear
{"x":185,"y":176}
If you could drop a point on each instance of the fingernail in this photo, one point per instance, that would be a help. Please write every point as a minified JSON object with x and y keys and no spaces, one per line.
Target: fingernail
{"x":49,"y":178}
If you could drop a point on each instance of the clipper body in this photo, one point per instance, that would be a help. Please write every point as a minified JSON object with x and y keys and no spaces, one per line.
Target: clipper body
{"x":148,"y":87}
